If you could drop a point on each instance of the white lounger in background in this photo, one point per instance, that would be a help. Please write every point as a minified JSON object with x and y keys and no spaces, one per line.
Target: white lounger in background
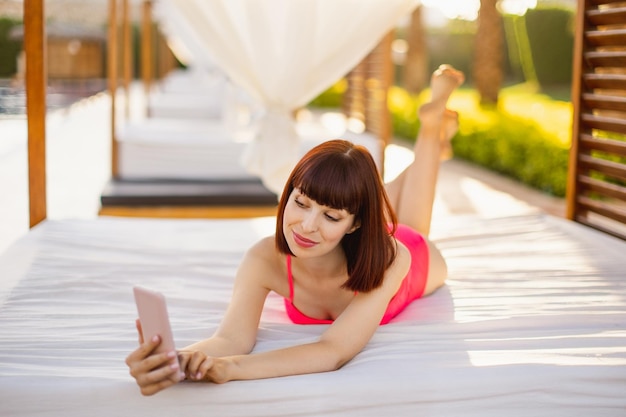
{"x":205,"y":150}
{"x":531,"y":323}
{"x":185,"y":105}
{"x":190,"y":94}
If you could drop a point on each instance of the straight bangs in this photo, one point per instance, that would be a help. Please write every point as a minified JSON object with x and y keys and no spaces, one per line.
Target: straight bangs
{"x":332,"y":181}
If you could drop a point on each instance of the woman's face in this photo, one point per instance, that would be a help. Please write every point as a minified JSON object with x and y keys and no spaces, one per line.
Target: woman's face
{"x":312,"y":229}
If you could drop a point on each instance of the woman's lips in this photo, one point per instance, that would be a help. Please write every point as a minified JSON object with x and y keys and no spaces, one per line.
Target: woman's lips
{"x":302,"y":241}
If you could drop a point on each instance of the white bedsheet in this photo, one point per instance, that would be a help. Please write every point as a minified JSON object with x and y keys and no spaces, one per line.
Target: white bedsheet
{"x":531,"y":323}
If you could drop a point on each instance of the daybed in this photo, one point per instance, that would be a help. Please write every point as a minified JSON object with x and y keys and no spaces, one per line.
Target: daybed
{"x":532,"y":322}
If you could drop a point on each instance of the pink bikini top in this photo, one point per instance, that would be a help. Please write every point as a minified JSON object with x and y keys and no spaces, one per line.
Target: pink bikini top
{"x":412,"y":287}
{"x":293,"y":313}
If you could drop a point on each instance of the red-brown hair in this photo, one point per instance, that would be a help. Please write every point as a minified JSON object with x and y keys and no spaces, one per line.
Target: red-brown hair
{"x":342,"y":175}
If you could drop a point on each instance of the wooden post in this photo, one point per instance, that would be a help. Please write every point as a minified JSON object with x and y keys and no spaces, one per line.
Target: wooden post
{"x":146,"y":47}
{"x":36,"y":85}
{"x":577,"y":74}
{"x":127,"y":54}
{"x":112,"y":78}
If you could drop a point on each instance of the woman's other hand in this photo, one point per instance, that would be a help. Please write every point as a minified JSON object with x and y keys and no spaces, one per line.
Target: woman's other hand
{"x":200,"y":367}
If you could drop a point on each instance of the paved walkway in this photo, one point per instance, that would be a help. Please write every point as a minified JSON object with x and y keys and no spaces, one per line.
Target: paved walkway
{"x":78,"y":166}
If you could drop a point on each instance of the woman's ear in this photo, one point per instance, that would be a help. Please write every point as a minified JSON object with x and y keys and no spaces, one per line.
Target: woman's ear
{"x":354,"y":227}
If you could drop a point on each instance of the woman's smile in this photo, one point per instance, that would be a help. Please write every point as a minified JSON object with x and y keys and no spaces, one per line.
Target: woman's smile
{"x":302,"y":241}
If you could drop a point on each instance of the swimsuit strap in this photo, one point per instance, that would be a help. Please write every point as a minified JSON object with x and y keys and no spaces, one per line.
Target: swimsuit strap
{"x":290,"y":278}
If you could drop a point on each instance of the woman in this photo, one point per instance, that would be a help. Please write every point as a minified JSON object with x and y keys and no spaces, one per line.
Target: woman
{"x":348,"y":252}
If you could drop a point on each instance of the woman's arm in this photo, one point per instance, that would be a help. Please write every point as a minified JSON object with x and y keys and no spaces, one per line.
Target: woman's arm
{"x":238,"y":329}
{"x":346,"y":337}
{"x":236,"y":334}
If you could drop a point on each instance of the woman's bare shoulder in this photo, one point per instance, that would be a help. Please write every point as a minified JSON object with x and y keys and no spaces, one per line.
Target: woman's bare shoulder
{"x":265,"y":262}
{"x":264,"y":249}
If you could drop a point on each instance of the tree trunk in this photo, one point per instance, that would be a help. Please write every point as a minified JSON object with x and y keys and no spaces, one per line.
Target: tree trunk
{"x":488,"y":54}
{"x":415,"y":74}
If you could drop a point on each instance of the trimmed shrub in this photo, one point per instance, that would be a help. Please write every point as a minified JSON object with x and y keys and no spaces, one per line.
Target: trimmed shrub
{"x":514,"y":147}
{"x":9,"y":48}
{"x":551,"y":37}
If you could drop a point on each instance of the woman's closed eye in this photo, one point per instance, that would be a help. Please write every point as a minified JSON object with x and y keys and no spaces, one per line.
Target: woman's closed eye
{"x":331,"y":218}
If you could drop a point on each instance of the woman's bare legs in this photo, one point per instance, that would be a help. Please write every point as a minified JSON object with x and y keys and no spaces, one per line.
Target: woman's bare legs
{"x":412,"y":193}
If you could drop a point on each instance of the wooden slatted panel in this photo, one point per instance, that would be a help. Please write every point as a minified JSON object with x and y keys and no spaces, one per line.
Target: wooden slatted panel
{"x":597,"y":179}
{"x":365,"y":98}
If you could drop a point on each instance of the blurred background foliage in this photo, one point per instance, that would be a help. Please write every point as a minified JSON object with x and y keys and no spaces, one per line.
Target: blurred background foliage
{"x":526,"y":135}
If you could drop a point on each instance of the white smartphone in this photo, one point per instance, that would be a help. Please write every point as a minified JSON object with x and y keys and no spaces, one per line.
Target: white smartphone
{"x":154,"y":319}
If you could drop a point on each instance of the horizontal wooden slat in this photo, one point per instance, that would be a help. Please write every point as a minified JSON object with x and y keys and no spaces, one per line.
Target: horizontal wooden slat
{"x":613,"y":37}
{"x":609,"y":124}
{"x":604,"y":188}
{"x":605,"y":2}
{"x":604,"y":102}
{"x":608,"y":16}
{"x":609,"y":59}
{"x":614,"y":230}
{"x":605,"y":209}
{"x":605,"y":81}
{"x":188,"y":212}
{"x":589,"y":142}
{"x":613,"y":169}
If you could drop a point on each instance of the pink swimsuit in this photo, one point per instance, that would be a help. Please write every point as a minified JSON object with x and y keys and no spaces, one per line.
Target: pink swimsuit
{"x":412,"y":286}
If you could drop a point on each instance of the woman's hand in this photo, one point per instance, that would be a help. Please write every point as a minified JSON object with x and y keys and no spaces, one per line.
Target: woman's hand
{"x":153,"y":372}
{"x":200,"y":367}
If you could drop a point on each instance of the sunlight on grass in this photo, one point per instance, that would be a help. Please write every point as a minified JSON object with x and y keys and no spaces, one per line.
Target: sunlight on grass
{"x":553,"y":116}
{"x":522,"y":101}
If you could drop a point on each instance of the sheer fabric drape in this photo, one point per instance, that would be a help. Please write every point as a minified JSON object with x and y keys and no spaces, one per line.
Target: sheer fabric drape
{"x":284,"y":53}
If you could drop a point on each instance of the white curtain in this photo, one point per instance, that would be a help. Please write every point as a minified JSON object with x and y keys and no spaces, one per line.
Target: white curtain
{"x":284,"y":53}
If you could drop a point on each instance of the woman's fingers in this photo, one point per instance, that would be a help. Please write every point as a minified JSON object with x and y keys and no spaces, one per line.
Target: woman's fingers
{"x":193,"y":369}
{"x":191,"y":363}
{"x":153,"y":372}
{"x":197,"y":366}
{"x":153,"y":388}
{"x":183,"y":360}
{"x":155,"y":369}
{"x":139,"y":330}
{"x":143,"y":350}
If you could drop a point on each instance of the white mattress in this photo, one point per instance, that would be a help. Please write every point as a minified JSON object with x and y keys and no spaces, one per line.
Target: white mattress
{"x":186,"y":105}
{"x":532,"y":322}
{"x":165,"y":148}
{"x":189,"y":95}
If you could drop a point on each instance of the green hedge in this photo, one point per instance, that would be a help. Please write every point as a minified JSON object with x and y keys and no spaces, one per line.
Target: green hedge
{"x":517,"y":148}
{"x":9,"y":49}
{"x":512,"y":145}
{"x":551,"y":37}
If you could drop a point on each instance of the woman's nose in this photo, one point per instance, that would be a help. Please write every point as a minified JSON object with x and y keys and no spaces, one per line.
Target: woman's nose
{"x":309,"y":223}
